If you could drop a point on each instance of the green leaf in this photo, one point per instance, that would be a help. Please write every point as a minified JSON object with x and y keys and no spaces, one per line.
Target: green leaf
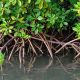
{"x":77,"y":29}
{"x":40,"y":18}
{"x":33,"y":28}
{"x":48,"y":0}
{"x":36,"y":31}
{"x":1,"y":5}
{"x":7,"y":4}
{"x":13,"y":18}
{"x":29,"y":1}
{"x":38,"y":1}
{"x":7,"y":11}
{"x":73,"y":1}
{"x":61,"y":25}
{"x":11,"y":27}
{"x":10,"y":31}
{"x":45,"y":5}
{"x":65,"y":23}
{"x":21,"y":20}
{"x":62,"y":0}
{"x":41,"y":4}
{"x":13,"y":2}
{"x":19,"y":3}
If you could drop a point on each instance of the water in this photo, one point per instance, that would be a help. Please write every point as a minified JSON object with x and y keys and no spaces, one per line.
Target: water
{"x":43,"y":68}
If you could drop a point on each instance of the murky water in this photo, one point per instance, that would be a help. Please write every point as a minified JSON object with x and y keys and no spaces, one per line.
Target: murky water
{"x":43,"y":68}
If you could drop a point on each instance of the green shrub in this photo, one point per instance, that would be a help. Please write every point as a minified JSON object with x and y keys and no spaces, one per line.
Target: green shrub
{"x":18,"y":17}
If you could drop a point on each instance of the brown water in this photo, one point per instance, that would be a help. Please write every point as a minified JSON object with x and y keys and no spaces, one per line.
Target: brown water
{"x":43,"y":69}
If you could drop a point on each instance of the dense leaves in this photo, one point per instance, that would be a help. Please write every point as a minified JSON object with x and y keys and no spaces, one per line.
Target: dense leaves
{"x":77,"y":25}
{"x":20,"y":17}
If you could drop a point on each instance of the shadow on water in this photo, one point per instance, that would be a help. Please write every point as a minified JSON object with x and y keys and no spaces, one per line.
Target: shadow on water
{"x":61,"y":68}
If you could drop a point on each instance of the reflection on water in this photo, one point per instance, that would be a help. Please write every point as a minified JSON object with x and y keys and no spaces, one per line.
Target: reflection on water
{"x":43,"y":68}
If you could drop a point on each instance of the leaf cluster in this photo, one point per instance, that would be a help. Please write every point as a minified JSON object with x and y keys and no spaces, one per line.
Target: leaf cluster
{"x":18,"y":17}
{"x":77,"y":25}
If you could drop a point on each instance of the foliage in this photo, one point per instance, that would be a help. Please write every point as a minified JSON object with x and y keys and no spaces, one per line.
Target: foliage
{"x":73,"y":1}
{"x":77,"y":25}
{"x":1,"y":58}
{"x":77,"y":8}
{"x":77,"y":29}
{"x":18,"y":17}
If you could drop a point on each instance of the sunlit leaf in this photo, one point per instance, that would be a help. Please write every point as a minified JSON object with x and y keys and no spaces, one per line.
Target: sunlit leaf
{"x":19,"y":2}
{"x":29,"y":1}
{"x":13,"y":2}
{"x":41,"y":5}
{"x":13,"y":18}
{"x":48,"y":0}
{"x":1,"y":5}
{"x":40,"y":18}
{"x":38,"y":1}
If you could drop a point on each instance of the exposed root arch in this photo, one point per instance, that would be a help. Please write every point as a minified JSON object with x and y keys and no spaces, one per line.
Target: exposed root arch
{"x":19,"y":46}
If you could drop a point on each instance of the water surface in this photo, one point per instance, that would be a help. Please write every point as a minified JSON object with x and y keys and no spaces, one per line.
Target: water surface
{"x":43,"y":68}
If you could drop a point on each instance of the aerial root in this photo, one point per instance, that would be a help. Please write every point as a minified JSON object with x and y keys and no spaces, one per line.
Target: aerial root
{"x":19,"y":46}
